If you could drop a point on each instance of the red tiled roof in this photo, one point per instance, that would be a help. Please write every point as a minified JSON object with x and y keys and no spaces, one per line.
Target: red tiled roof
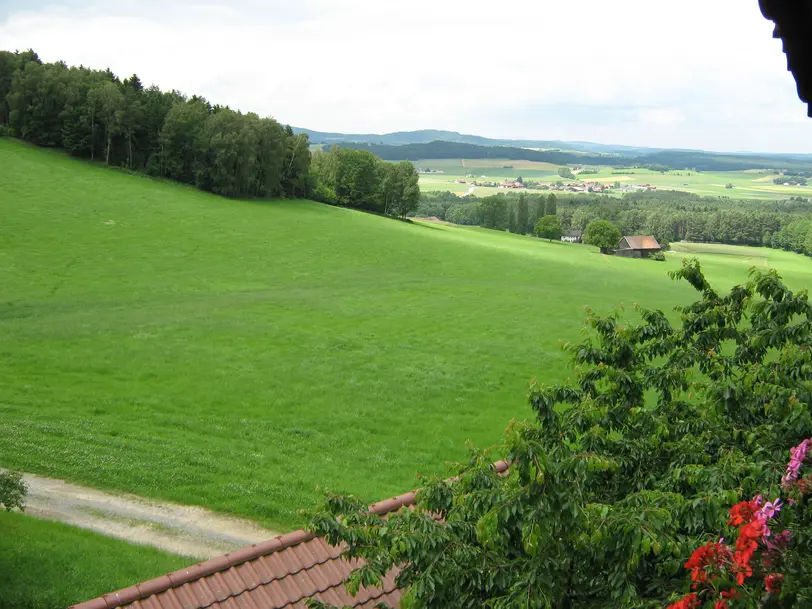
{"x":640,"y":242}
{"x":280,"y":573}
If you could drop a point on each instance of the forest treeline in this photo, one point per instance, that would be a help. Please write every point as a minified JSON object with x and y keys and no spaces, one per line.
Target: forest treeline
{"x":665,"y":159}
{"x":668,"y":215}
{"x":93,"y":114}
{"x":358,"y":178}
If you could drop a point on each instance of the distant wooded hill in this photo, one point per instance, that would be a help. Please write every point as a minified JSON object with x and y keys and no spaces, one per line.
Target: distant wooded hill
{"x":426,"y":136}
{"x":416,"y":145}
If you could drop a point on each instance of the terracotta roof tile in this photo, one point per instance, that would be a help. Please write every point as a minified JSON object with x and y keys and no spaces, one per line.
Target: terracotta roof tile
{"x":281,"y":573}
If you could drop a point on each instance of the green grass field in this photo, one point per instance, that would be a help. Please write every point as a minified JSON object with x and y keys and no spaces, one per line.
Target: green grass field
{"x":746,"y":184}
{"x":162,"y":341}
{"x":49,"y":565}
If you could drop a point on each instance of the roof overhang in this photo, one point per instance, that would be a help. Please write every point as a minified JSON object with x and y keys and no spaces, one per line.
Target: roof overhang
{"x":793,"y":25}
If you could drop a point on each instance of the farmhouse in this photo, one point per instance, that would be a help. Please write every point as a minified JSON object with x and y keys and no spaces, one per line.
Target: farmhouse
{"x":572,"y":236}
{"x":509,"y":184}
{"x":637,"y":246}
{"x":286,"y":571}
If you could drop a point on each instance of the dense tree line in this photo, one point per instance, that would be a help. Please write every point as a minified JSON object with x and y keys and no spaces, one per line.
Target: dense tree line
{"x":358,"y":178}
{"x":457,"y":150}
{"x":789,"y":179}
{"x":93,"y":114}
{"x":794,"y":236}
{"x":658,"y":161}
{"x":669,"y":216}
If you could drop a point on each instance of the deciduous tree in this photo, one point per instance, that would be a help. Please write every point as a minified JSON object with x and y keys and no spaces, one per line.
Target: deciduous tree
{"x":602,"y":234}
{"x":548,"y":227}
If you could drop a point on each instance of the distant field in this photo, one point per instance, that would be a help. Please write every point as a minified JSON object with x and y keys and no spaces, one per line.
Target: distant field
{"x":174,"y":344}
{"x":49,"y":565}
{"x":518,"y":165}
{"x":750,"y":184}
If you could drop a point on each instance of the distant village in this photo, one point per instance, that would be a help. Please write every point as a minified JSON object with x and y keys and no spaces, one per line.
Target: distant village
{"x":579,"y":186}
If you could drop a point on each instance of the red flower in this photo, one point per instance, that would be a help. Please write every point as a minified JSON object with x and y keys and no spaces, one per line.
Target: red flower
{"x":743,"y":512}
{"x":746,"y":545}
{"x":709,"y":555}
{"x":773,"y":583}
{"x":687,"y":602}
{"x":720,"y":605}
{"x":733,"y":593}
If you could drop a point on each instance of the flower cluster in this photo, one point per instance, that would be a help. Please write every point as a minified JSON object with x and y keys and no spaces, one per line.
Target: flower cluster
{"x":707,"y":559}
{"x":688,"y":602}
{"x":715,"y":565}
{"x":751,"y":531}
{"x":797,"y":456}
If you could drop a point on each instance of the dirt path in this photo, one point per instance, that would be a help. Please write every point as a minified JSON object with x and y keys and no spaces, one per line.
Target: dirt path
{"x":186,"y":530}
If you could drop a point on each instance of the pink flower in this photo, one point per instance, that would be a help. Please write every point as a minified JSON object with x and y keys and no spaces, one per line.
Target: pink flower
{"x":798,"y":454}
{"x":767,"y":512}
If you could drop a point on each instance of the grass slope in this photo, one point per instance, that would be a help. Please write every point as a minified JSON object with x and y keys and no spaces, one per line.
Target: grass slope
{"x":166,"y":342}
{"x":49,"y":565}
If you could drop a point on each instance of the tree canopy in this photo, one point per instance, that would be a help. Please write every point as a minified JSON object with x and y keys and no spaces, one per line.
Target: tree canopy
{"x":357,"y":178}
{"x":602,"y":234}
{"x":548,"y":227}
{"x":625,"y":471}
{"x":96,"y":115}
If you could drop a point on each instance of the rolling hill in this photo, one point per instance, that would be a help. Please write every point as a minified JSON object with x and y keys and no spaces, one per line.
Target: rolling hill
{"x":238,"y":354}
{"x":434,"y":144}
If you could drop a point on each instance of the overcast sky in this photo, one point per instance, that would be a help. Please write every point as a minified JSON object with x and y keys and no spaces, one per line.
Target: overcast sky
{"x":695,"y":74}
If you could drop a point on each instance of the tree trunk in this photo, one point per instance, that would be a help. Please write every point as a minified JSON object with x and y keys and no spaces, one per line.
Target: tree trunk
{"x":109,"y":143}
{"x":93,"y":133}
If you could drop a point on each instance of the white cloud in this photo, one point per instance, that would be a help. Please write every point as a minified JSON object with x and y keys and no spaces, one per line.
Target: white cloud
{"x":662,"y":117}
{"x":631,"y":72}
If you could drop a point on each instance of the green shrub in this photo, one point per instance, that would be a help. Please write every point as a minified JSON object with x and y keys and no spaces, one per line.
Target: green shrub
{"x":658,"y":256}
{"x":12,"y":490}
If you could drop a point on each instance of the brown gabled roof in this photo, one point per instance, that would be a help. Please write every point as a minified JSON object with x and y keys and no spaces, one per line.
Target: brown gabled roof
{"x":281,"y":573}
{"x":640,"y":242}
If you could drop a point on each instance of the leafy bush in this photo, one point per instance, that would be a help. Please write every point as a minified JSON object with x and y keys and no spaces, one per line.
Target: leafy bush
{"x":12,"y":490}
{"x":658,"y":256}
{"x":625,"y":472}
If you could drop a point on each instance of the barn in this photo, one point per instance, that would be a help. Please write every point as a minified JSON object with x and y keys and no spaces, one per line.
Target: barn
{"x":637,"y":246}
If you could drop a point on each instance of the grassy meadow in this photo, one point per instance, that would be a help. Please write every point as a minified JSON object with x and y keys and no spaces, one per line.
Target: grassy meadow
{"x":50,"y":565}
{"x":751,"y":184}
{"x":159,"y":340}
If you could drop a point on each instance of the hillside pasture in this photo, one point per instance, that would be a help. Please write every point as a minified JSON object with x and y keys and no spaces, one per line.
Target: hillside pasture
{"x":237,"y":355}
{"x":50,"y":565}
